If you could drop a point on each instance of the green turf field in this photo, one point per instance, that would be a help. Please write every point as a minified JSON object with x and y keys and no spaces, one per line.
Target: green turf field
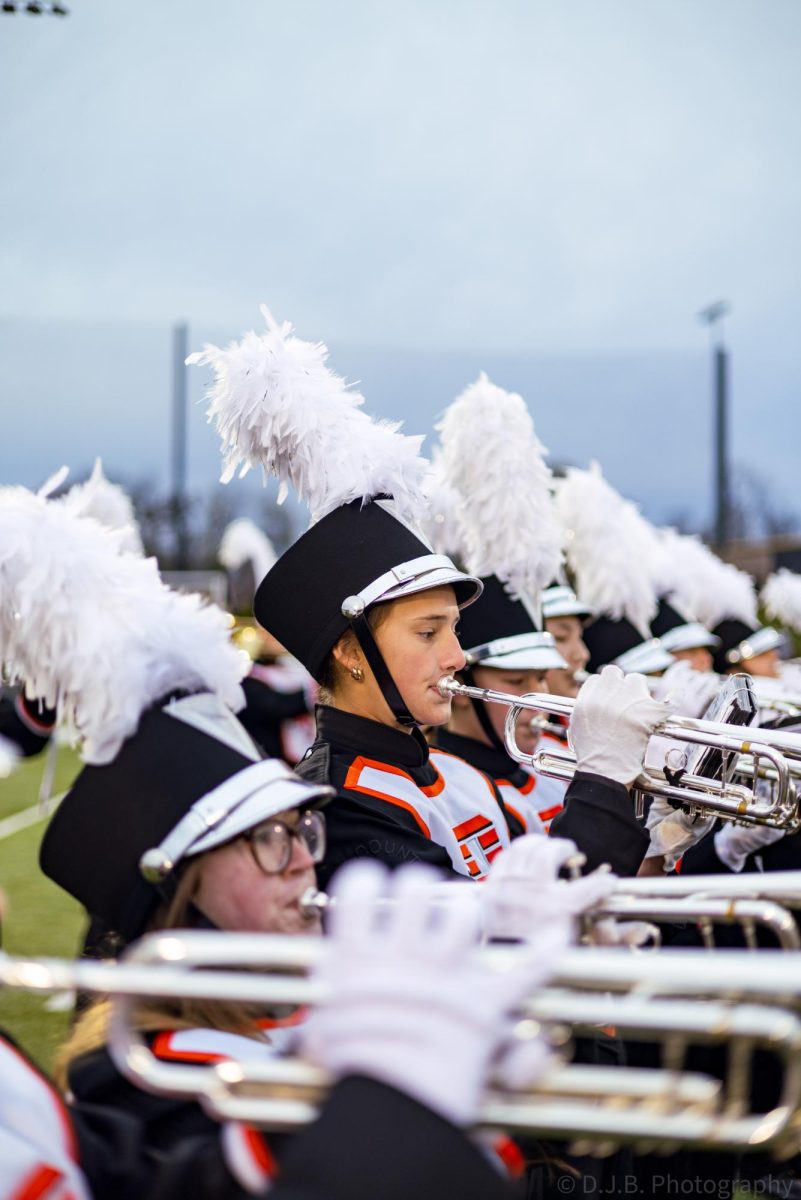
{"x":40,"y":919}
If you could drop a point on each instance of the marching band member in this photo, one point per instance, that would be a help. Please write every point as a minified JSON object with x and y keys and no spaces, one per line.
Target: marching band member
{"x":510,"y":538}
{"x":176,"y":819}
{"x":565,"y":616}
{"x":687,"y":640}
{"x":411,"y":1031}
{"x":371,"y":612}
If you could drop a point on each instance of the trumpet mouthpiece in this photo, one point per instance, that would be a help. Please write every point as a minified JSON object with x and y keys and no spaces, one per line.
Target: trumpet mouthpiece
{"x":447,"y":685}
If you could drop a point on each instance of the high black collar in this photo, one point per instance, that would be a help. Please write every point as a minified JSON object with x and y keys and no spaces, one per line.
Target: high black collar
{"x":495,"y":763}
{"x":345,"y":731}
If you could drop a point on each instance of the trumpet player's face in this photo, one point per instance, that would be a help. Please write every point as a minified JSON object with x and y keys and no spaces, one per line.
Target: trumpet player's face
{"x":236,"y":895}
{"x":517,"y":683}
{"x":418,"y":642}
{"x":698,"y":657}
{"x":763,"y":665}
{"x":567,"y":633}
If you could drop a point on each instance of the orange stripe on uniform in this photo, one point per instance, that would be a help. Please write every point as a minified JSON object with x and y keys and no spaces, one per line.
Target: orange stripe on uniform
{"x":472,"y":825}
{"x":163,"y":1048}
{"x":37,"y":1184}
{"x":527,"y":787}
{"x":260,"y":1151}
{"x":352,"y":783}
{"x":511,"y":1156}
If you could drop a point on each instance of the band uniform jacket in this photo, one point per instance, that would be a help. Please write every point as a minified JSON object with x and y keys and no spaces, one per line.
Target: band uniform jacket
{"x":601,"y":821}
{"x":369,"y":1140}
{"x":548,"y":796}
{"x":400,"y":801}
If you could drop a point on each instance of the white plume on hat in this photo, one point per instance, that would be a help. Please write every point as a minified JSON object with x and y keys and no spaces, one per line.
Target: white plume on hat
{"x":609,"y":549}
{"x":707,"y":588}
{"x":781,"y":596}
{"x":495,"y":462}
{"x":276,"y":405}
{"x":440,"y":522}
{"x":94,"y":632}
{"x":243,"y":542}
{"x":109,"y":504}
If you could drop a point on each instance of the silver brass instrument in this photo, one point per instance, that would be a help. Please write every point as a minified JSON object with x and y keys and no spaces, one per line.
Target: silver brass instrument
{"x":630,"y":902}
{"x":726,"y":798}
{"x":660,"y":1108}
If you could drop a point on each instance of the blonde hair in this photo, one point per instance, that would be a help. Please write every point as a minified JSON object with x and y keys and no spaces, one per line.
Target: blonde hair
{"x":150,"y":1014}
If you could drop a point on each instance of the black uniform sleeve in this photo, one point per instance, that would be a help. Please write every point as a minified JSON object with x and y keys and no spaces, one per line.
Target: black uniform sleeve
{"x":599,"y":817}
{"x":121,"y":1164}
{"x":702,"y":859}
{"x":371,"y":1141}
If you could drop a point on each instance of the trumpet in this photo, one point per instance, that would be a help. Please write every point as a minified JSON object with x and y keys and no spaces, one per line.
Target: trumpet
{"x":591,"y":1107}
{"x":702,"y":793}
{"x":632,"y":903}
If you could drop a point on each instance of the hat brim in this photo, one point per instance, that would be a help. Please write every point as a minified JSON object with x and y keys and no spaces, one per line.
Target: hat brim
{"x":283,"y":795}
{"x":468,"y":588}
{"x":645,"y":659}
{"x":526,"y":660}
{"x":692,"y":636}
{"x":566,"y":608}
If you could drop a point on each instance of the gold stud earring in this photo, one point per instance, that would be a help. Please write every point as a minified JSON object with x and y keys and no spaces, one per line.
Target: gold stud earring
{"x":357,"y":673}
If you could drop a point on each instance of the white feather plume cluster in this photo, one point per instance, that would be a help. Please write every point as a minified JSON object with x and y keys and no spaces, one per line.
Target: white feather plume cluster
{"x":275,"y":404}
{"x":494,"y":461}
{"x":95,"y":632}
{"x":109,"y":504}
{"x":609,"y":548}
{"x":781,"y":597}
{"x":706,"y":588}
{"x":242,"y":542}
{"x":440,"y":522}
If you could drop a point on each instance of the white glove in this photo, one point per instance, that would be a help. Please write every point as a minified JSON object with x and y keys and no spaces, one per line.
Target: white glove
{"x":733,"y":843}
{"x":612,"y":722}
{"x":409,"y":1002}
{"x":633,"y":934}
{"x":522,"y":893}
{"x":673,"y":831}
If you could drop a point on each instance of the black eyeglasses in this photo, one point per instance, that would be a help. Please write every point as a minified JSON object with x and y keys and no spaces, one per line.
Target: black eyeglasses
{"x":271,"y":842}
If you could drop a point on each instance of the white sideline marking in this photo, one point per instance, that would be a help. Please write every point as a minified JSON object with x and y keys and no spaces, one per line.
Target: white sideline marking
{"x":29,"y":816}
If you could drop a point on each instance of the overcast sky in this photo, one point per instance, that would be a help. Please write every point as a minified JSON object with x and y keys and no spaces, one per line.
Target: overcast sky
{"x":548,"y":189}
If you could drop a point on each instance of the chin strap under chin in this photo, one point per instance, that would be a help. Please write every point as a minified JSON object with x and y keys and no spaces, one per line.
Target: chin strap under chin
{"x":480,"y":709}
{"x":364,"y":635}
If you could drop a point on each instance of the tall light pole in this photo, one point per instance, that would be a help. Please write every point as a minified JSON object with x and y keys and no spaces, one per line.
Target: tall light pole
{"x":713,"y":316}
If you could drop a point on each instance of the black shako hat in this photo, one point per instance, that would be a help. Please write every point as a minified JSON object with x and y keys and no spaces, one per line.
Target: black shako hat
{"x":618,"y":641}
{"x":356,"y":556}
{"x":677,"y":632}
{"x":740,"y":641}
{"x":189,"y":779}
{"x":501,"y":630}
